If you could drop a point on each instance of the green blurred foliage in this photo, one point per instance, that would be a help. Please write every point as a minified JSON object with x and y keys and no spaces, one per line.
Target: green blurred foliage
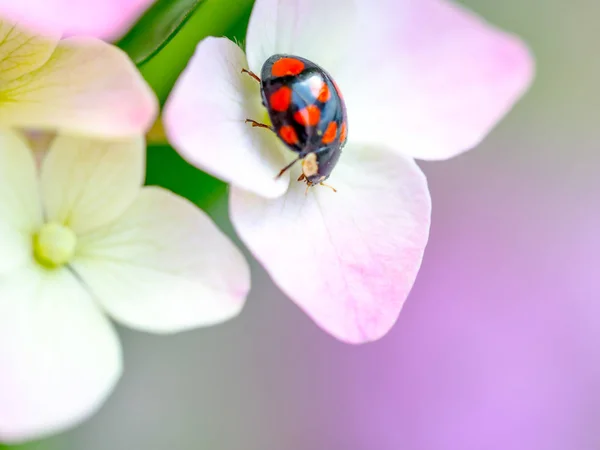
{"x":156,"y":28}
{"x":211,"y":18}
{"x":167,"y":169}
{"x":37,"y":445}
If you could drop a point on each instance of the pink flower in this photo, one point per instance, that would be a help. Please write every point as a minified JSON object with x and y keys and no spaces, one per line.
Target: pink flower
{"x":106,"y":19}
{"x":421,"y":79}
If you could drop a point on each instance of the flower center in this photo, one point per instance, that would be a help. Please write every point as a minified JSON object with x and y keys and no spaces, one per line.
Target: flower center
{"x":54,"y":245}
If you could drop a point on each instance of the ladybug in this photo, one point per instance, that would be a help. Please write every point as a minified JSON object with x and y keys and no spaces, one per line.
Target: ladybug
{"x":307,"y":112}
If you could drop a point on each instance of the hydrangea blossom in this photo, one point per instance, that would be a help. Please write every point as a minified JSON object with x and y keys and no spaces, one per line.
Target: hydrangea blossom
{"x":421,"y":79}
{"x":82,"y":242}
{"x":105,"y":19}
{"x":77,"y":84}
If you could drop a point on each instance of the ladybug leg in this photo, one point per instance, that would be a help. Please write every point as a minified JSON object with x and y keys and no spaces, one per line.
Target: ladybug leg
{"x":282,"y":171}
{"x":330,"y":187}
{"x":308,"y":186}
{"x":258,"y":124}
{"x":252,"y":74}
{"x":301,"y":177}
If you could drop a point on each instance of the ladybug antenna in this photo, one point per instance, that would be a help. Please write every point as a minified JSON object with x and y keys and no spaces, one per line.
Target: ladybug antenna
{"x":282,"y":171}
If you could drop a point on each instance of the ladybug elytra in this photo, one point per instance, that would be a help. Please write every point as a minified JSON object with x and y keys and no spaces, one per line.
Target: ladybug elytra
{"x":307,"y":113}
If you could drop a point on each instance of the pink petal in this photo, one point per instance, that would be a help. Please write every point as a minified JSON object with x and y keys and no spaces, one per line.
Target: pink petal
{"x":314,"y":29}
{"x":429,"y":77}
{"x":204,"y":119}
{"x":349,"y":259}
{"x":106,"y":19}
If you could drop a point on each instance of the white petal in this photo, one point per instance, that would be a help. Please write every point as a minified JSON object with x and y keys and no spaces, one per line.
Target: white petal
{"x":87,"y":86}
{"x":349,"y":259}
{"x":20,"y":208}
{"x":429,"y":78}
{"x":314,"y":29}
{"x":60,"y":355}
{"x":204,"y":119}
{"x":88,"y":183}
{"x":164,"y":266}
{"x":21,"y":51}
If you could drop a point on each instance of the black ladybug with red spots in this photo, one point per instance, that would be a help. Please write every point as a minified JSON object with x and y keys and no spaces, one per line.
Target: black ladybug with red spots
{"x":307,"y":113}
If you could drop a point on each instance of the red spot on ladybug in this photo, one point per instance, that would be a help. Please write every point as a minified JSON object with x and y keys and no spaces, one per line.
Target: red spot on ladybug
{"x":288,"y":134}
{"x":324,"y":94}
{"x":287,"y":66}
{"x":319,"y":89}
{"x":309,"y":116}
{"x":280,"y":99}
{"x":343,"y":133}
{"x":330,"y":133}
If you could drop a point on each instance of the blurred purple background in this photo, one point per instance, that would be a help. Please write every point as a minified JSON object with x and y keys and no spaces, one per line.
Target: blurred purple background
{"x":498,"y":344}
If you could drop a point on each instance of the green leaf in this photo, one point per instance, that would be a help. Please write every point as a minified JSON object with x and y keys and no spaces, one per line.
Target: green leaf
{"x":211,"y":18}
{"x":35,"y":445}
{"x":167,"y":169}
{"x":237,"y":32}
{"x":156,"y":28}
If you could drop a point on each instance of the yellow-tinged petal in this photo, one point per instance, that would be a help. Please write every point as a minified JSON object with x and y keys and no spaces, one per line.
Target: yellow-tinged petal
{"x":89,"y":183}
{"x":164,"y":266}
{"x":87,"y":86}
{"x":60,"y":355}
{"x":20,"y":209}
{"x":21,"y":51}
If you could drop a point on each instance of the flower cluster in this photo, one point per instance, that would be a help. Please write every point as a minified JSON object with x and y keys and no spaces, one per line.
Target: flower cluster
{"x":83,"y":242}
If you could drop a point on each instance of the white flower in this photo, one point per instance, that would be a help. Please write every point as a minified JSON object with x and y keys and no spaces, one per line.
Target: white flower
{"x":421,"y":79}
{"x":81,"y":242}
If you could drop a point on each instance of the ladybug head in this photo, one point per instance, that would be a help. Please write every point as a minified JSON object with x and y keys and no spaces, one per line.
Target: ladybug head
{"x":317,"y":166}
